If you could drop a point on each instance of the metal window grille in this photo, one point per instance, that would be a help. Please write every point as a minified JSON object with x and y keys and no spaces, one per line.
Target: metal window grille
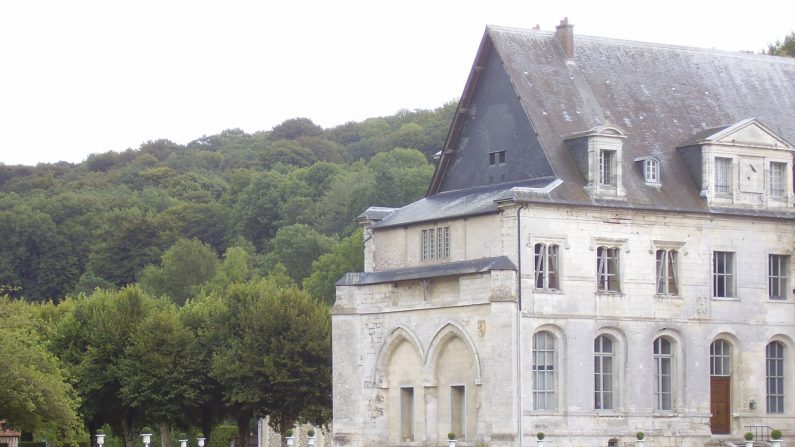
{"x":775,"y":377}
{"x":720,"y":358}
{"x":778,"y":267}
{"x":663,"y":375}
{"x":544,"y":371}
{"x":723,"y":274}
{"x":607,"y":272}
{"x":603,"y":373}
{"x":667,"y":272}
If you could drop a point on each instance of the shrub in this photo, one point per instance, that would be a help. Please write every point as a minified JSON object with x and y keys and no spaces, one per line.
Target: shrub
{"x":289,"y":433}
{"x":310,"y":432}
{"x":451,"y":436}
{"x":181,"y":436}
{"x":222,"y":435}
{"x":775,"y":434}
{"x":540,"y":436}
{"x":146,"y":431}
{"x":749,"y":436}
{"x":640,"y":435}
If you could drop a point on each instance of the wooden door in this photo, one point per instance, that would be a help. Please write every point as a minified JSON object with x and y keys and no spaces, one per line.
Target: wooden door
{"x":719,"y":400}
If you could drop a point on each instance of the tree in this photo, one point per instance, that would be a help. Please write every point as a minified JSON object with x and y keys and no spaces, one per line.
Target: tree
{"x":297,"y":246}
{"x":786,"y":48}
{"x":275,"y":358}
{"x":184,"y":267}
{"x":36,"y":395}
{"x":346,"y":256}
{"x":402,"y":176}
{"x":294,"y":128}
{"x":92,"y":339}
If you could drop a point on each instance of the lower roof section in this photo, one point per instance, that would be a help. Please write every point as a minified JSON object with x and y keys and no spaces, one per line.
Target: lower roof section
{"x":430,"y":271}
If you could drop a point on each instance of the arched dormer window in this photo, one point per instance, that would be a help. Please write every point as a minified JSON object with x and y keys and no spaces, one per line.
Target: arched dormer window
{"x":650,"y":168}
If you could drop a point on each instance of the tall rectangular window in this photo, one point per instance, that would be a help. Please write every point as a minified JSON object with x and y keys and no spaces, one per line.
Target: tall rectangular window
{"x":774,"y":369}
{"x":607,"y":273}
{"x":723,"y":177}
{"x":603,"y":372}
{"x":544,"y":371}
{"x":435,"y":243}
{"x":777,"y":275}
{"x":667,"y":272}
{"x":777,"y":185}
{"x":723,"y":277}
{"x":607,"y":167}
{"x":407,"y":414}
{"x":458,"y":410}
{"x":663,"y":375}
{"x":546,"y":266}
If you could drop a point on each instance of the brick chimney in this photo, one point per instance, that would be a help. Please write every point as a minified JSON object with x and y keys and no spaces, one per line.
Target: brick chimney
{"x":565,"y":34}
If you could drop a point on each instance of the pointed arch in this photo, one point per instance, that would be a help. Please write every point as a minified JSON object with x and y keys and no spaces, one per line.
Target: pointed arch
{"x":395,"y":337}
{"x":443,"y":335}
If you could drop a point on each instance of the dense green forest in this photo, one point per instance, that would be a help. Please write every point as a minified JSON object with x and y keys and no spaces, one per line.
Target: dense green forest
{"x":180,"y":286}
{"x":288,"y":195}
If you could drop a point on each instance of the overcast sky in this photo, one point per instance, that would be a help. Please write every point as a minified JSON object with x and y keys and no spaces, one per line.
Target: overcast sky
{"x":87,"y":76}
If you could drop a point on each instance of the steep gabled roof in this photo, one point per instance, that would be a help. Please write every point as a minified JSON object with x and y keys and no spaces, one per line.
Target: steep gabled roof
{"x":659,"y":96}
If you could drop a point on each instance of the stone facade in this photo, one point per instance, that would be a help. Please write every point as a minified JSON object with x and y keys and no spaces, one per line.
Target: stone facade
{"x":608,"y":299}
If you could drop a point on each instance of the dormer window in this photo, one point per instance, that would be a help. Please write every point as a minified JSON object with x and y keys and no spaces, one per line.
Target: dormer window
{"x":777,"y":186}
{"x":723,"y":176}
{"x":598,"y":154}
{"x":607,"y":167}
{"x":651,"y":170}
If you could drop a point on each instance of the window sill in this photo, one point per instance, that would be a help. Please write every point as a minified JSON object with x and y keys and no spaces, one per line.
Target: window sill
{"x":605,"y":293}
{"x":548,"y":291}
{"x":609,"y":414}
{"x":725,"y":298}
{"x":665,"y":414}
{"x":664,"y":296}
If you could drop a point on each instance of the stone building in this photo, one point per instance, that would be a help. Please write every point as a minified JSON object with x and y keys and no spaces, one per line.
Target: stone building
{"x":605,"y":248}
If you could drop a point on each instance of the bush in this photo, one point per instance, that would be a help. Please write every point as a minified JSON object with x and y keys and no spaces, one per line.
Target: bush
{"x":222,"y":435}
{"x":310,"y":432}
{"x":640,"y":435}
{"x":451,"y":436}
{"x":540,"y":436}
{"x":147,"y":431}
{"x":775,"y":434}
{"x":749,"y":436}
{"x":289,"y":433}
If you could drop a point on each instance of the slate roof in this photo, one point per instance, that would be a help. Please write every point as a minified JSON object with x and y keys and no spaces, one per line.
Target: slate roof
{"x":661,"y":96}
{"x":463,"y":202}
{"x":431,"y":271}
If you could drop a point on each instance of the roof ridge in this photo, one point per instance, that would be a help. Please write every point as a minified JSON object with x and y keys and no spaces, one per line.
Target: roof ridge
{"x":645,"y":44}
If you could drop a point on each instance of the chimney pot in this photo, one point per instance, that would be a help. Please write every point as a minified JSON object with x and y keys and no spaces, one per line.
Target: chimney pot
{"x":565,"y":34}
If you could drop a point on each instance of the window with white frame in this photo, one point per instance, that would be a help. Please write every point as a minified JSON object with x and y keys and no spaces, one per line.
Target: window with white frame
{"x":723,"y":176}
{"x":667,"y":270}
{"x":720,"y":356}
{"x":663,"y":375}
{"x":544,"y":371}
{"x":607,"y":269}
{"x":607,"y":167}
{"x":774,"y":356}
{"x":435,"y":243}
{"x":777,"y":184}
{"x":777,"y":276}
{"x":546,"y":266}
{"x":723,"y":276}
{"x":604,"y":376}
{"x":651,"y":170}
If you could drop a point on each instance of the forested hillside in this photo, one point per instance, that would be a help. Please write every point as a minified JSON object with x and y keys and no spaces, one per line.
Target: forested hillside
{"x":165,"y":214}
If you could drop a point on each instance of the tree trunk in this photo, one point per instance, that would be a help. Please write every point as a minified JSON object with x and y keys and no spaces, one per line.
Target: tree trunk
{"x":207,"y":424}
{"x":126,"y":433}
{"x":242,"y":429}
{"x":165,"y":434}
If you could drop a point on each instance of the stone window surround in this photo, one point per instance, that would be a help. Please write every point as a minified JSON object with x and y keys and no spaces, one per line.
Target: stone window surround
{"x":622,"y":245}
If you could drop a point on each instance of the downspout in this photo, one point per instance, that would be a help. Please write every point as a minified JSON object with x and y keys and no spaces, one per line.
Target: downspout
{"x":519,"y":319}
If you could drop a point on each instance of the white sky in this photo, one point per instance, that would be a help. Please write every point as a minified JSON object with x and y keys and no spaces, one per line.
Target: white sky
{"x":87,"y":76}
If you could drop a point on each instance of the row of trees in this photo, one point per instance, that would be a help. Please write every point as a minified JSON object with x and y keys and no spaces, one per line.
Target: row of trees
{"x":125,"y":358}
